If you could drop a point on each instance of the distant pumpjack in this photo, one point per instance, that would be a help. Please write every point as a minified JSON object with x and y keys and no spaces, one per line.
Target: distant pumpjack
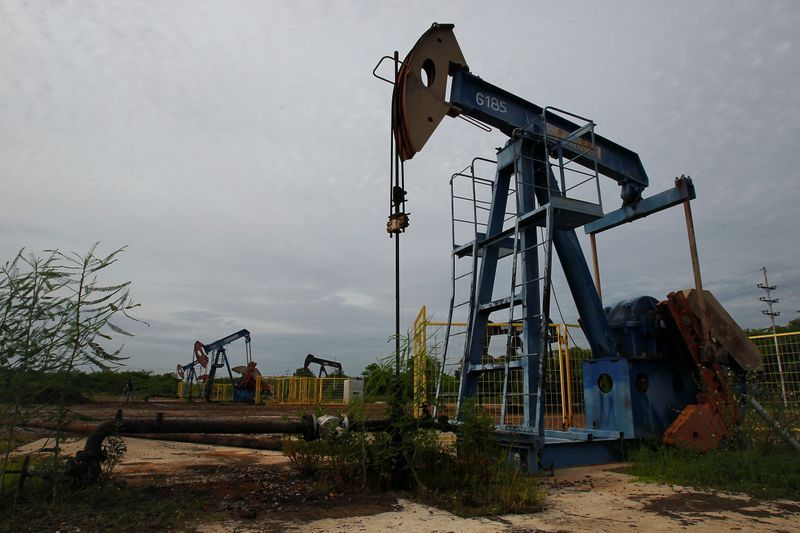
{"x":323,"y":363}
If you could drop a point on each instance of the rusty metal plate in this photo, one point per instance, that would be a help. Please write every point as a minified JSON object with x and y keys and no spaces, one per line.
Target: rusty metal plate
{"x":418,"y":100}
{"x":728,"y":340}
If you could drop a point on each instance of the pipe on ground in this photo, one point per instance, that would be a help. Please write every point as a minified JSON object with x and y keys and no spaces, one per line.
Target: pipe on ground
{"x":86,"y":465}
{"x":774,"y":423}
{"x":237,"y":441}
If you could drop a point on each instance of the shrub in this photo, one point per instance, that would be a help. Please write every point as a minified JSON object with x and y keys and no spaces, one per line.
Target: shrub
{"x":468,"y":474}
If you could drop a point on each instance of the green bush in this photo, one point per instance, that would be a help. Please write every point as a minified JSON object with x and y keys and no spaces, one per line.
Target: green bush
{"x":468,"y":474}
{"x":473,"y":476}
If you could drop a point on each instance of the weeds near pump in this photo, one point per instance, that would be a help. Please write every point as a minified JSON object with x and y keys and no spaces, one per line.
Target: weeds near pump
{"x":114,"y":448}
{"x":468,"y":475}
{"x":759,"y":462}
{"x":472,"y":476}
{"x":774,"y":475}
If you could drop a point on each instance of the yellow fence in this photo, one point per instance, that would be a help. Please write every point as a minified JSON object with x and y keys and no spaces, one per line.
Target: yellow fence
{"x":563,"y":393}
{"x":563,"y":371}
{"x":220,"y":392}
{"x":420,"y":362}
{"x":286,"y":390}
{"x":305,"y":390}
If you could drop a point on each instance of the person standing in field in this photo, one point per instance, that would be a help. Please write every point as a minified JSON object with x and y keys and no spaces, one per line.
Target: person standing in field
{"x":129,"y":391}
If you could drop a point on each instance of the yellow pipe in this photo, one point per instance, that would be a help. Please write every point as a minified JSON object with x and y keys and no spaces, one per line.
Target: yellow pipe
{"x":497,"y":324}
{"x":420,"y":360}
{"x":770,"y":335}
{"x":561,"y":378}
{"x":568,"y":364}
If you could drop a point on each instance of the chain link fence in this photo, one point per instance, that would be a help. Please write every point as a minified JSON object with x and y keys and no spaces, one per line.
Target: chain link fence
{"x":781,"y":357}
{"x":563,"y":372}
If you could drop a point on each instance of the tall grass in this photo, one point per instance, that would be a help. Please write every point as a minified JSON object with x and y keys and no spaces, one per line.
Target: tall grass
{"x":759,"y":462}
{"x":773,"y":475}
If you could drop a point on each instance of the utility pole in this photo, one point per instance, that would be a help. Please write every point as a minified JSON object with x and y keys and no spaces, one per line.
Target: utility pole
{"x":769,"y":300}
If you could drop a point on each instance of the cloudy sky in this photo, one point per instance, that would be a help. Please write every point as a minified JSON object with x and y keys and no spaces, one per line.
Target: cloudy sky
{"x":240,"y":150}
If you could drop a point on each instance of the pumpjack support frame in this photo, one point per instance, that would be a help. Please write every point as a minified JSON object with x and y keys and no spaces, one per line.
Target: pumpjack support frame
{"x":541,"y":139}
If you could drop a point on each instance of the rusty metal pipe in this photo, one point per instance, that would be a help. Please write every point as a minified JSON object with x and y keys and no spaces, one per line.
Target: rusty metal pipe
{"x":237,"y":441}
{"x":596,"y":265}
{"x":197,"y":438}
{"x":67,"y":427}
{"x":162,"y":426}
{"x":95,"y":440}
{"x":183,"y":425}
{"x":86,"y":465}
{"x":87,"y":462}
{"x":698,"y":280}
{"x":785,"y":434}
{"x":215,"y":426}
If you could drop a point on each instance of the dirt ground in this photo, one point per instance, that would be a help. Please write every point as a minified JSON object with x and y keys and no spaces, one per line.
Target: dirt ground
{"x":257,"y":490}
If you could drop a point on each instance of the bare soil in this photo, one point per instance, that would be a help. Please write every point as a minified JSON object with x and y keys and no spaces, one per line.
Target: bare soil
{"x":256,"y":490}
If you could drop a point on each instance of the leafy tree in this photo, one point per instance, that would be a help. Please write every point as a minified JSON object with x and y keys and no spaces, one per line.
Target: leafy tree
{"x":303,"y":372}
{"x":377,"y":379}
{"x":792,"y":325}
{"x":55,"y":317}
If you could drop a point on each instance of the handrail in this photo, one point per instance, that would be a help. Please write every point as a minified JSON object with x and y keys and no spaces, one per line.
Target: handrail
{"x":771,"y":335}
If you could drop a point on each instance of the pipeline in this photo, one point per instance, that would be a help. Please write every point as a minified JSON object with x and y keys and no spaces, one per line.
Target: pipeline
{"x":236,"y":441}
{"x":86,"y":466}
{"x":179,"y":425}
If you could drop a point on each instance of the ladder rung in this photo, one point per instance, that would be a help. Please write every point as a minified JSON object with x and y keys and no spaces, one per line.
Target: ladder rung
{"x":502,"y":303}
{"x":464,"y":250}
{"x":491,"y":367}
{"x":471,"y":200}
{"x":529,"y":248}
{"x":472,"y":222}
{"x":540,"y":278}
{"x":463,"y":276}
{"x":520,"y":320}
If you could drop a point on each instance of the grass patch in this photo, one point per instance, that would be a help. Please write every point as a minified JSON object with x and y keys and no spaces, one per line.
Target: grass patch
{"x":757,"y":462}
{"x":18,"y":438}
{"x":764,"y":475}
{"x":107,"y":507}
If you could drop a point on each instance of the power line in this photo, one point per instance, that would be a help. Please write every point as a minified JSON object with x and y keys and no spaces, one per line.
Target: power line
{"x":771,"y":313}
{"x":768,"y":299}
{"x":735,"y":276}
